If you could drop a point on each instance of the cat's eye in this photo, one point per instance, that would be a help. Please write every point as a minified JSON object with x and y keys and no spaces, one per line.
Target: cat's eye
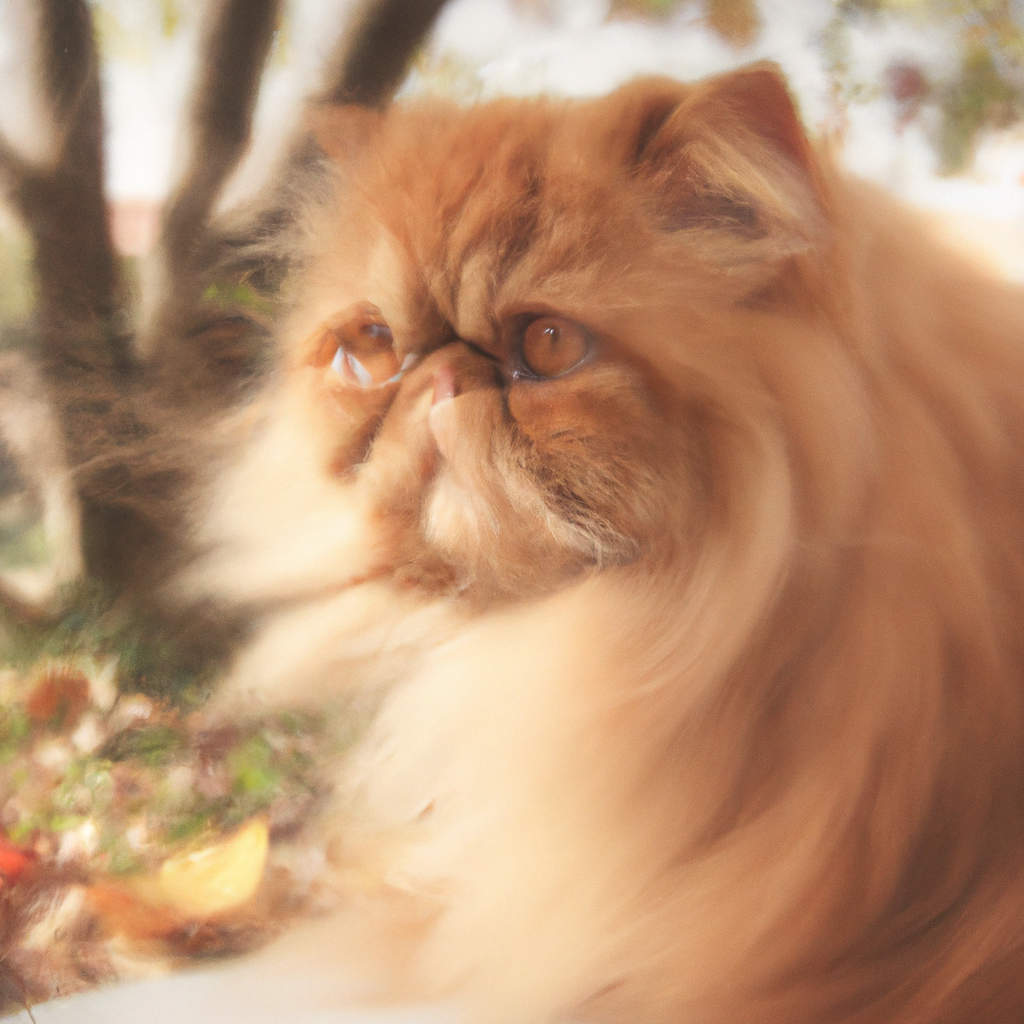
{"x":553,"y":345}
{"x":360,"y":349}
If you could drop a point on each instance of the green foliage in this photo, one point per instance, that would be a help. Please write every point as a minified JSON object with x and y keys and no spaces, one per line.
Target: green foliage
{"x":21,"y":544}
{"x":154,"y":745}
{"x":14,"y":732}
{"x":17,"y":287}
{"x":149,"y":659}
{"x":238,"y":294}
{"x":985,"y":88}
{"x":649,"y":8}
{"x":134,"y":30}
{"x":251,"y":764}
{"x":115,"y":40}
{"x":170,"y":18}
{"x":979,"y":97}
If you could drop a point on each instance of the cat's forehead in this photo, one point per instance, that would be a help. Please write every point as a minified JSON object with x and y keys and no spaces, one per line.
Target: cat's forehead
{"x":498,"y":205}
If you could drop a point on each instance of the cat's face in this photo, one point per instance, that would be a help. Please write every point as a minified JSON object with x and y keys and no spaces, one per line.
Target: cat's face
{"x":505,"y":334}
{"x":508,"y":437}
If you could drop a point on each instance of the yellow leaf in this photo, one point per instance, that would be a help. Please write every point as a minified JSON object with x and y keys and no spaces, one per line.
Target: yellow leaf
{"x":211,"y":880}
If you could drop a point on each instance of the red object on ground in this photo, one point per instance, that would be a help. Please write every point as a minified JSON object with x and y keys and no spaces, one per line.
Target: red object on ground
{"x":59,"y":698}
{"x":13,"y":861}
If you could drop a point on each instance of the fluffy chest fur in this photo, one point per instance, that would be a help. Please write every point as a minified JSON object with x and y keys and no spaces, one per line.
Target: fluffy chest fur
{"x":668,"y":484}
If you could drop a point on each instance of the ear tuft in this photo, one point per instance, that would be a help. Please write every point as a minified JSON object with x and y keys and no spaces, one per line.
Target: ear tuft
{"x":650,"y":102}
{"x":758,"y":98}
{"x":732,"y":155}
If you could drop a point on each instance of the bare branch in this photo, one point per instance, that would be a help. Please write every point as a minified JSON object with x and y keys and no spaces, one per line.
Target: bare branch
{"x":64,"y":204}
{"x":225,"y":97}
{"x":226,"y":94}
{"x":83,"y":354}
{"x":377,"y":51}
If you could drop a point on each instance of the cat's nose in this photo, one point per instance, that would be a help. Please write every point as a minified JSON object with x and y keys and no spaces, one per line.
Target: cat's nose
{"x":453,"y":370}
{"x":444,"y":385}
{"x":436,"y":380}
{"x":424,"y":416}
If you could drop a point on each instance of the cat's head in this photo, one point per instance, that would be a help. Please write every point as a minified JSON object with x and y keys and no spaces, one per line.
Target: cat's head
{"x":516,"y":321}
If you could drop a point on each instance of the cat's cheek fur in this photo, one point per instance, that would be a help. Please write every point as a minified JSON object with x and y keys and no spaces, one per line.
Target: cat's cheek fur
{"x":280,"y":523}
{"x":320,"y":651}
{"x":457,"y":517}
{"x":484,"y":515}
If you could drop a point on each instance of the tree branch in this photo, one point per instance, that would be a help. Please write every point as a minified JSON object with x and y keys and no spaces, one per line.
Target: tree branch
{"x":83,"y":352}
{"x":64,"y":204}
{"x":225,"y":97}
{"x":376,"y":53}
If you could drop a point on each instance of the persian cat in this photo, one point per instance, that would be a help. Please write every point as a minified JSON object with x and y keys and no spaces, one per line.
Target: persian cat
{"x":666,"y":488}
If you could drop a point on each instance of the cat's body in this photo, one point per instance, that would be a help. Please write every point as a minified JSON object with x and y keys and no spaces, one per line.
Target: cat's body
{"x":687,"y":552}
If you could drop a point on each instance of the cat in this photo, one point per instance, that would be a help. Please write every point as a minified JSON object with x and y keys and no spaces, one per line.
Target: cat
{"x":666,"y":485}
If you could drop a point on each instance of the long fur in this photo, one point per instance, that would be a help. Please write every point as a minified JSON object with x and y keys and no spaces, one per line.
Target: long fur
{"x":703,"y":663}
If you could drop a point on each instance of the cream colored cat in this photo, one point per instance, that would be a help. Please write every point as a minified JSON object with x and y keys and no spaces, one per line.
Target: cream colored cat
{"x":669,"y":487}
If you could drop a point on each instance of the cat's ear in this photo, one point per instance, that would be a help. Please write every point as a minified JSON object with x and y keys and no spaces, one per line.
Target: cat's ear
{"x":730,"y":155}
{"x":342,"y":130}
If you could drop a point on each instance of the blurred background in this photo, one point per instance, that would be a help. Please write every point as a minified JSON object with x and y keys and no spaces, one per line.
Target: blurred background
{"x":923,"y":96}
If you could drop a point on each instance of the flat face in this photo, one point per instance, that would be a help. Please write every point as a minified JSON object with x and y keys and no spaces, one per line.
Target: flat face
{"x":526,"y":339}
{"x":489,"y":333}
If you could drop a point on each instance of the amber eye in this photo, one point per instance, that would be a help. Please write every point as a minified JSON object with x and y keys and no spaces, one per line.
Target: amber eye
{"x":360,"y":348}
{"x":553,"y":345}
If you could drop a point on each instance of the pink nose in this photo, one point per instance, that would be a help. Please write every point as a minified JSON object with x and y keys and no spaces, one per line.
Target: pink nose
{"x":444,"y":384}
